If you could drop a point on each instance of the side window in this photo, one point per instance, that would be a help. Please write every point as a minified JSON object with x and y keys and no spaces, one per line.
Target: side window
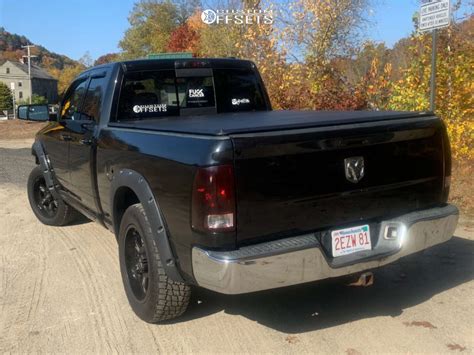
{"x":73,"y":100}
{"x":148,"y":94}
{"x":93,"y":99}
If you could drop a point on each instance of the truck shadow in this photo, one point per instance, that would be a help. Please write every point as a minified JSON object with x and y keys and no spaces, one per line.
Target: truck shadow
{"x":406,"y":283}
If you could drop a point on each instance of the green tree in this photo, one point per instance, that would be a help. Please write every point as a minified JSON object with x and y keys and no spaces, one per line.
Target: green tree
{"x":6,"y":98}
{"x":219,"y":41}
{"x":151,"y":24}
{"x":35,"y":100}
{"x":38,"y":99}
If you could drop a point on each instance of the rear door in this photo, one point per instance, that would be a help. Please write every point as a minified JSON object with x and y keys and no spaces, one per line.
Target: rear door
{"x":82,"y":131}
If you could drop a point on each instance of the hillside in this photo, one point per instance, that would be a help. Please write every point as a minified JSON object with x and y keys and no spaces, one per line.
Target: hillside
{"x":59,"y":66}
{"x":10,"y":48}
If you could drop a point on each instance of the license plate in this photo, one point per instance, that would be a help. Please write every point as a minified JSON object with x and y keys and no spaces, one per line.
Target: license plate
{"x":350,"y":240}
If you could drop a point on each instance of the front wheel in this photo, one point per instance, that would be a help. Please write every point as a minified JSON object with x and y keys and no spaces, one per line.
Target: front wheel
{"x":49,"y":210}
{"x":151,"y":294}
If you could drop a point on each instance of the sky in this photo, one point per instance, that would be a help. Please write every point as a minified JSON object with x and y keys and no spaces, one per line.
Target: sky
{"x":74,"y":27}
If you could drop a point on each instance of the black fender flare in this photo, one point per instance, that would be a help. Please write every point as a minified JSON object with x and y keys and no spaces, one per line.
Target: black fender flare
{"x":38,"y":151}
{"x":137,"y":183}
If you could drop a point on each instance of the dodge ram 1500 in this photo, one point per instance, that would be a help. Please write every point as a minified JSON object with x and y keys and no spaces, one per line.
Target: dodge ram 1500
{"x":203,"y":184}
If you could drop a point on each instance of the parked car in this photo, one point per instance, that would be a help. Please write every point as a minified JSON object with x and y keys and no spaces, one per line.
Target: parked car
{"x":203,"y":184}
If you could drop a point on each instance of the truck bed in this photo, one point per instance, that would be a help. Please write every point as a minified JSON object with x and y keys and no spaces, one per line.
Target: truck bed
{"x":262,"y":121}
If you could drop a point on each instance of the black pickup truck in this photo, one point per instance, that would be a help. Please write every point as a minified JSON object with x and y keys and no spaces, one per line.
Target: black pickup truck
{"x":203,"y":184}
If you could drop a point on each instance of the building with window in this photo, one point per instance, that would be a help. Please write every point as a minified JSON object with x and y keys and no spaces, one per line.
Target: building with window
{"x":40,"y":83}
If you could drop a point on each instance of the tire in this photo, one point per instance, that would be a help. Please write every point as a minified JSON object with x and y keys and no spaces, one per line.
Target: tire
{"x":50,"y":211}
{"x":151,"y":294}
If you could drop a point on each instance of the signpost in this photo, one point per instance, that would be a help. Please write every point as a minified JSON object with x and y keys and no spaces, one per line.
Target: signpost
{"x":434,"y":14}
{"x":12,"y":87}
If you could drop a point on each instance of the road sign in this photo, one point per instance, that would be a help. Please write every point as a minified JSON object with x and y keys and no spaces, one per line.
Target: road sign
{"x":434,"y":14}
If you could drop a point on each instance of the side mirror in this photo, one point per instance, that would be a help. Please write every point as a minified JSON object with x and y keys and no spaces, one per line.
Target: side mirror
{"x":39,"y":113}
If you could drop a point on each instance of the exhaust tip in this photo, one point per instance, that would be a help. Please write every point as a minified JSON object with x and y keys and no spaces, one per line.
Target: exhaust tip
{"x":365,"y":279}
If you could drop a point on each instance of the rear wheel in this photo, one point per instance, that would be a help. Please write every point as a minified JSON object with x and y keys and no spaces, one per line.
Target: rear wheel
{"x":151,"y":294}
{"x":48,"y":209}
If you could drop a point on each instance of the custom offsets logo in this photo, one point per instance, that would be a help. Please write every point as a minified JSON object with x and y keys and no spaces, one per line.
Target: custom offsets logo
{"x":237,"y":17}
{"x":150,"y":108}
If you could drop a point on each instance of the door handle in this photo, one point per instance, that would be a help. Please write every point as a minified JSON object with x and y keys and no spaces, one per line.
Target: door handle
{"x":66,"y":137}
{"x":86,"y":141}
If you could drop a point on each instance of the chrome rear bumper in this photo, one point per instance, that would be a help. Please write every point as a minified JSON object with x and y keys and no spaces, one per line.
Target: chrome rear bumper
{"x":301,"y":259}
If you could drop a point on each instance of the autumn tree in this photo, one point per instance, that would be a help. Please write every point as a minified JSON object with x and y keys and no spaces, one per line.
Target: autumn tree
{"x":455,"y":82}
{"x":317,"y":32}
{"x":183,"y":39}
{"x":11,"y":49}
{"x":66,"y":76}
{"x":374,"y":88}
{"x":357,"y":65}
{"x":107,"y":58}
{"x":187,"y":36}
{"x":400,"y":56}
{"x":151,"y":24}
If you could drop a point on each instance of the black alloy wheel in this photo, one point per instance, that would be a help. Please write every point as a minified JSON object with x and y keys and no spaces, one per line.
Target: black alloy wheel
{"x":151,"y":294}
{"x":50,"y":210}
{"x":136,"y":261}
{"x":44,"y":199}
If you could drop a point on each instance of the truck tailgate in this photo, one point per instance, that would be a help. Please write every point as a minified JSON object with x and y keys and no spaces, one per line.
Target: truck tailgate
{"x":294,"y":181}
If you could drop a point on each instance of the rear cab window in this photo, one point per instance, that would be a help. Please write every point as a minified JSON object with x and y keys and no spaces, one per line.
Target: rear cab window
{"x":167,"y":93}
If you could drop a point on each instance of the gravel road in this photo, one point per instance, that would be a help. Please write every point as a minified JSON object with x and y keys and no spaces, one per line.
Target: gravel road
{"x":61,"y":291}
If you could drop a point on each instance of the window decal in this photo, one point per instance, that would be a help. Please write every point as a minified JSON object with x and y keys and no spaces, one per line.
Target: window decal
{"x":240,"y":101}
{"x":196,"y":92}
{"x":150,"y":108}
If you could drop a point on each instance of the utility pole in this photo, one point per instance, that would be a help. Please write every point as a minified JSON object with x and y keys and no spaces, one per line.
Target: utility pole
{"x":29,"y":68}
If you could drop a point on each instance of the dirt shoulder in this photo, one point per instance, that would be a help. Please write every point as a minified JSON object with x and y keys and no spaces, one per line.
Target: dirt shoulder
{"x":17,"y":129}
{"x":462,"y":186}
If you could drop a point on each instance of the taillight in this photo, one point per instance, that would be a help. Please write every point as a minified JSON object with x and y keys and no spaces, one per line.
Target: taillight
{"x":447,"y":162}
{"x":213,"y":201}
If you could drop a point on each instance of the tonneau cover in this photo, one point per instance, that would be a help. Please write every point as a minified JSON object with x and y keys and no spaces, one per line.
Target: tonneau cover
{"x":262,"y":121}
